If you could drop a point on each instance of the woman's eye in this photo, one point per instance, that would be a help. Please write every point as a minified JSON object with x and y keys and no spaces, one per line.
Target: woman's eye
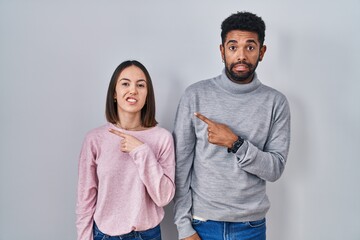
{"x":125,"y":84}
{"x":141,"y":85}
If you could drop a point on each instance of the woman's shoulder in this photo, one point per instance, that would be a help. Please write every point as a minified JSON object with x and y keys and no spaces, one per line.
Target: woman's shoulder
{"x":159,"y":134}
{"x":159,"y":137}
{"x":97,"y":132}
{"x":158,"y":130}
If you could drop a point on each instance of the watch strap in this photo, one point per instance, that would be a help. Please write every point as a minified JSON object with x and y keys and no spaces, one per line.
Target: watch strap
{"x":236,"y":145}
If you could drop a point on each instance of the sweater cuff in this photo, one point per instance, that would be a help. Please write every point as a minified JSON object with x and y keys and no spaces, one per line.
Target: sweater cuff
{"x":186,"y":231}
{"x":140,"y":153}
{"x":140,"y":148}
{"x":241,"y":152}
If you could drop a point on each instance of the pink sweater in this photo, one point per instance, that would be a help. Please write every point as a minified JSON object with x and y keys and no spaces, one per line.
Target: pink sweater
{"x":120,"y":191}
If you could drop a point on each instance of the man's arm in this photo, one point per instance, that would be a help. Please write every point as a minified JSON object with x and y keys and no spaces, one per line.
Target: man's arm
{"x":269,"y":163}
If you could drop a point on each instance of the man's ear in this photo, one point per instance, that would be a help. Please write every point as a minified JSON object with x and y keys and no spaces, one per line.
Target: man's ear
{"x":262,"y":52}
{"x":222,"y":52}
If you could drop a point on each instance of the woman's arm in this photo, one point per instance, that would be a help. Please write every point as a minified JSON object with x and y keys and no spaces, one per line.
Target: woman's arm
{"x":87,"y":191}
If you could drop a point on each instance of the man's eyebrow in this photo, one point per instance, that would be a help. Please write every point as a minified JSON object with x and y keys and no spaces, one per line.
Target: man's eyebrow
{"x":251,"y":41}
{"x":231,"y":41}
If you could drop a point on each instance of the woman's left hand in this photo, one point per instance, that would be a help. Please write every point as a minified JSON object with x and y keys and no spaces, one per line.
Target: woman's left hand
{"x":128,"y":142}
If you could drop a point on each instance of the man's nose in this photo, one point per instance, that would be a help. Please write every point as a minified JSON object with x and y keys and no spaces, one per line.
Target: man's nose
{"x":241,"y":56}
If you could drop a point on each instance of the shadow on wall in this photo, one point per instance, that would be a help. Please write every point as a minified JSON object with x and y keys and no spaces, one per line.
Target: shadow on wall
{"x":168,"y":228}
{"x":169,"y":101}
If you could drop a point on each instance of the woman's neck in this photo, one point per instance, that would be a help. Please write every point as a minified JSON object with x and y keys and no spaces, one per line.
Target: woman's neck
{"x":130,"y":121}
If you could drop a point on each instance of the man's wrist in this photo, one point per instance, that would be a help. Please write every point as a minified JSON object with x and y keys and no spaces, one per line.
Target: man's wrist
{"x":231,"y":141}
{"x":236,"y":145}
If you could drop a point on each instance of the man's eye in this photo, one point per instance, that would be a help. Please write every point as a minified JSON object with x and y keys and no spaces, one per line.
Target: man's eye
{"x":232,"y":48}
{"x":250,"y":48}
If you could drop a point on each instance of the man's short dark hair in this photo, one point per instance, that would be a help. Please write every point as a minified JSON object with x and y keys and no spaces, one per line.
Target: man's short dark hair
{"x":244,"y":21}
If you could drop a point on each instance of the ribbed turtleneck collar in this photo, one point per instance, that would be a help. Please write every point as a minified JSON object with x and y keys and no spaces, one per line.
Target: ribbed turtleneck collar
{"x":235,"y":88}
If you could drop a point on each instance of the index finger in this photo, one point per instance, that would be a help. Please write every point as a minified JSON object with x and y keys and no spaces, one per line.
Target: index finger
{"x":116,"y":132}
{"x":203,"y":118}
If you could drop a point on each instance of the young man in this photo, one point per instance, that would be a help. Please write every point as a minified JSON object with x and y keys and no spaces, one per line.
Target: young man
{"x":237,"y":140}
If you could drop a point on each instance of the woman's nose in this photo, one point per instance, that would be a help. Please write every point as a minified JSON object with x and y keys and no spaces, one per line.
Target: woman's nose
{"x":133,"y":90}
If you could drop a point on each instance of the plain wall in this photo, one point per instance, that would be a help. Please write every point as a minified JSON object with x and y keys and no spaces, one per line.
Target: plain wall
{"x":56,"y":60}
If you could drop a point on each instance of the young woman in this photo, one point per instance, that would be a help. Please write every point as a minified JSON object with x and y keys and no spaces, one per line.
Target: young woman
{"x":126,"y":167}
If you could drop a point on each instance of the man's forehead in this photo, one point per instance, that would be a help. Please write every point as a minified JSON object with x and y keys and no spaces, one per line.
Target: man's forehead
{"x":236,"y":36}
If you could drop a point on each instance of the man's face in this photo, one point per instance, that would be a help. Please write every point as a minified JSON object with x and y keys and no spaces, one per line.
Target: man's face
{"x":241,"y":53}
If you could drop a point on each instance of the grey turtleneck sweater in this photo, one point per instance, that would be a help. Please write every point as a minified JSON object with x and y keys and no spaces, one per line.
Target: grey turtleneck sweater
{"x":211,"y":183}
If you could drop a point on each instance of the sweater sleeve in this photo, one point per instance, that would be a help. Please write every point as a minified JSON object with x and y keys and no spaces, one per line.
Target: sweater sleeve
{"x":87,"y":191}
{"x":185,"y":139}
{"x":157,"y":174}
{"x":269,"y":163}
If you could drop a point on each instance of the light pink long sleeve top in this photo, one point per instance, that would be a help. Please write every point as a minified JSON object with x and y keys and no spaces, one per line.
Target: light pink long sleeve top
{"x":120,"y":191}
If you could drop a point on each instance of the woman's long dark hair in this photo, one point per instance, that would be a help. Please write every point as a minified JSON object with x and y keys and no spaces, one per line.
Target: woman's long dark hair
{"x":147,"y":112}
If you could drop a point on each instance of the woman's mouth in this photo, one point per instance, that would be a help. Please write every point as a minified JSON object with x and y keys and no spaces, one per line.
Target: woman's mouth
{"x":131,"y":100}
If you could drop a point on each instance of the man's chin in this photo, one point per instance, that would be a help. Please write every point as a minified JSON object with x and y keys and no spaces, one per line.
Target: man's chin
{"x":240,"y":77}
{"x":237,"y":76}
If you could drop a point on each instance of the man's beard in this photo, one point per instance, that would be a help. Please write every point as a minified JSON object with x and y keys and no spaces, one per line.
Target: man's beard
{"x":240,"y":77}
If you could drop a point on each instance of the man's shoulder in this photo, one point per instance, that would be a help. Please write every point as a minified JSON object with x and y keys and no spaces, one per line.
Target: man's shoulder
{"x":272,"y":91}
{"x":200,"y":85}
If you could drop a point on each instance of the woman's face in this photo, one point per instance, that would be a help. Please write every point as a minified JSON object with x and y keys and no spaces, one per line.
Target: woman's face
{"x":131,"y":90}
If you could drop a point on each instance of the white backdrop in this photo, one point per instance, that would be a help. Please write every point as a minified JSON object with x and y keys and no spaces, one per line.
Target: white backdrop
{"x":56,"y":60}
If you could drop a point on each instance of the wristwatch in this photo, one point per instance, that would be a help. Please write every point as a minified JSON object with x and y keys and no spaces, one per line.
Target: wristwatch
{"x":236,"y":145}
